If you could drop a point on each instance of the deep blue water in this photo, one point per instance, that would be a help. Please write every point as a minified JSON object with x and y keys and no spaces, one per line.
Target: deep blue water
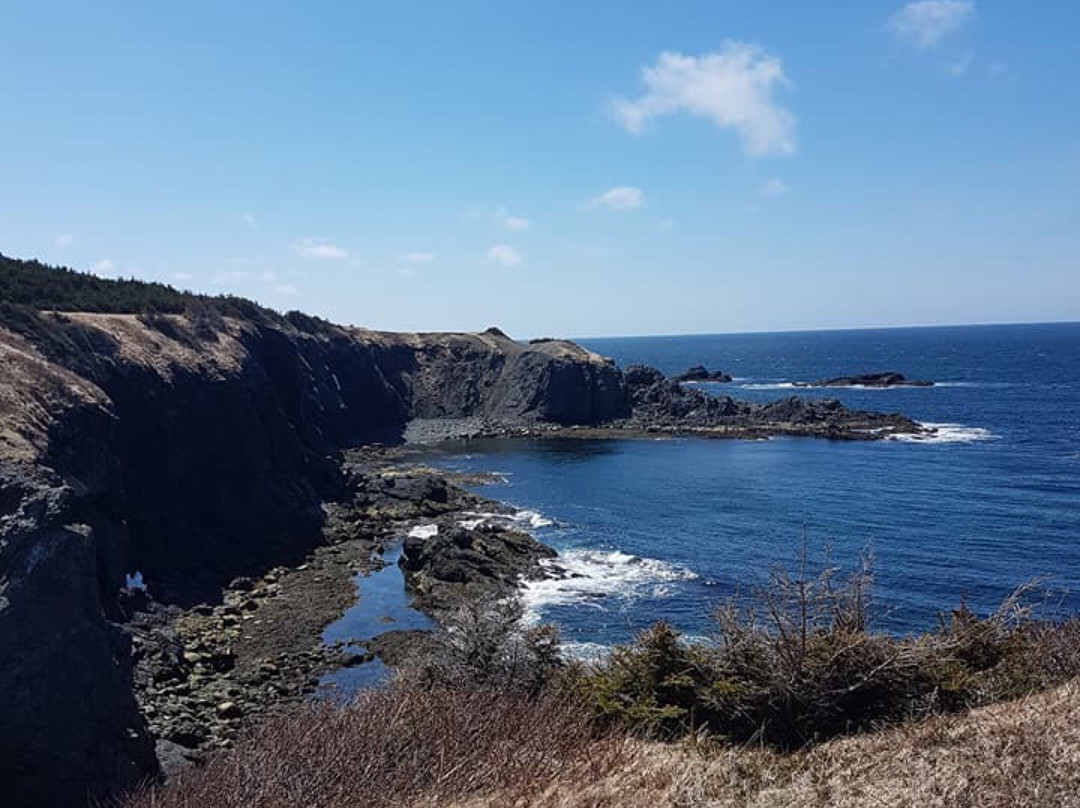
{"x":667,"y":528}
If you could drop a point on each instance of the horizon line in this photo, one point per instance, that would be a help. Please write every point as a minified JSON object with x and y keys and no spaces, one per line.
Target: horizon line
{"x":1008,"y":323}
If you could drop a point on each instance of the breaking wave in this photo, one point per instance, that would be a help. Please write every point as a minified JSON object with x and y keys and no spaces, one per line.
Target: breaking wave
{"x":591,"y":576}
{"x":522,"y":519}
{"x":947,"y":433}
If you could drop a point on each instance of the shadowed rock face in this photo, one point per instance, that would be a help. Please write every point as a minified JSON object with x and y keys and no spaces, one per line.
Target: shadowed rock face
{"x":68,"y":724}
{"x":194,"y":456}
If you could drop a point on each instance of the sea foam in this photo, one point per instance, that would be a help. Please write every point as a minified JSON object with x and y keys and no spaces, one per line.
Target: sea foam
{"x":947,"y":433}
{"x":593,"y":575}
{"x":523,"y":518}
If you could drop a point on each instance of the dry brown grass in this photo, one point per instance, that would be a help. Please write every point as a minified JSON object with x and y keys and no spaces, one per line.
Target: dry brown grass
{"x":399,"y":746}
{"x":442,"y":750}
{"x":1023,"y":754}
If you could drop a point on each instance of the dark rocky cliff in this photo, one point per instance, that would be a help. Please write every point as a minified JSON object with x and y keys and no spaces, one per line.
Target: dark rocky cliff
{"x":194,"y":453}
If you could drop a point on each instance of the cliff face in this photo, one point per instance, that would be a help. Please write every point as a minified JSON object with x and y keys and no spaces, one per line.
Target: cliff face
{"x":196,"y":451}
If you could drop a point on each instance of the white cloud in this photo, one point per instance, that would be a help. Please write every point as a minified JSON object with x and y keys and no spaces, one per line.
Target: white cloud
{"x":181,"y":277}
{"x":285,"y":290}
{"x":623,"y":197}
{"x":317,"y":248}
{"x":515,"y":224}
{"x":418,"y":257}
{"x":925,"y":23}
{"x":64,"y":240}
{"x":504,"y":254}
{"x":960,"y":67}
{"x":250,"y":220}
{"x":733,"y":87}
{"x":665,"y":225}
{"x":105,"y":268}
{"x":775,"y":187}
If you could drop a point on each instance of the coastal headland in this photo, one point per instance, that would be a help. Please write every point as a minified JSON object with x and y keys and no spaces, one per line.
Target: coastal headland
{"x":186,"y":499}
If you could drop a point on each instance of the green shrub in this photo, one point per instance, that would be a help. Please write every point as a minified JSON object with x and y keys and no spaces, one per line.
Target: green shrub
{"x":798,"y":663}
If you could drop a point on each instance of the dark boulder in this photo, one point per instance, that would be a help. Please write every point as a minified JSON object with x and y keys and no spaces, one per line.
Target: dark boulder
{"x":700,"y":373}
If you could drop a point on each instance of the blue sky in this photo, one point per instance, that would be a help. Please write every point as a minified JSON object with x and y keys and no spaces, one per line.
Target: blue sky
{"x":563,"y":169}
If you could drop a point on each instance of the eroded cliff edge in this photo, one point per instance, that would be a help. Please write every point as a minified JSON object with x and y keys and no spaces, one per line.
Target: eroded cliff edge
{"x":197,"y":448}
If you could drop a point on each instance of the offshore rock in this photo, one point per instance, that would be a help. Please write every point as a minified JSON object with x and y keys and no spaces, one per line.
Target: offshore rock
{"x":886,"y":379}
{"x":700,"y":373}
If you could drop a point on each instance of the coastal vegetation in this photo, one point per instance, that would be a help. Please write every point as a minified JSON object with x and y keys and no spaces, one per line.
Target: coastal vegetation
{"x":789,"y":703}
{"x":40,"y":286}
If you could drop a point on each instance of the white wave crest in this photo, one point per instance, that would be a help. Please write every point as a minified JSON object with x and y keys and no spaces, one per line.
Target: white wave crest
{"x":592,"y":575}
{"x":530,"y":519}
{"x":585,"y":651}
{"x":946,"y":433}
{"x":424,"y":532}
{"x":768,"y":386}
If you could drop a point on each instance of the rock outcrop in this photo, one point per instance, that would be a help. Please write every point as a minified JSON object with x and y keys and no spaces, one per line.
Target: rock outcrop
{"x":886,"y":379}
{"x":458,"y":564}
{"x":658,"y":403}
{"x":700,"y":373}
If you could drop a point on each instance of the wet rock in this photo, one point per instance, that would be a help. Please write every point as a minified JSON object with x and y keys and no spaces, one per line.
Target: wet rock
{"x":459,"y":564}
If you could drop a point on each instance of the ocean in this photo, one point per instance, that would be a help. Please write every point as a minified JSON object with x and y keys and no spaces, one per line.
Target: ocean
{"x":668,"y":529}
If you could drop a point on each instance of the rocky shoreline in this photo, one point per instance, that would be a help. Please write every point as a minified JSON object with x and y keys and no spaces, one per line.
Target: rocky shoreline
{"x":203,"y":675}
